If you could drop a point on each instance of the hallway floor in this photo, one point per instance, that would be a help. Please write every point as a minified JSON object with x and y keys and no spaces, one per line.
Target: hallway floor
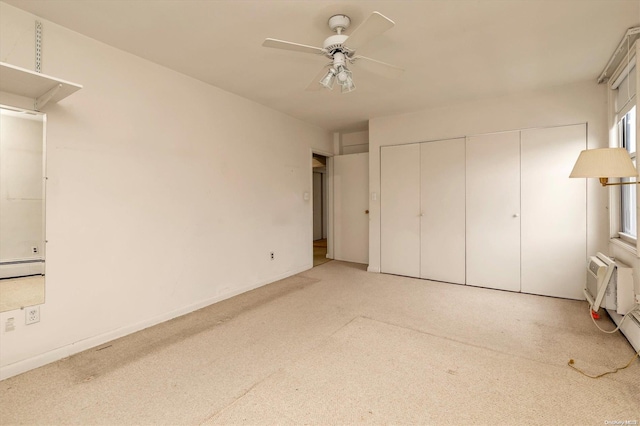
{"x":320,"y":252}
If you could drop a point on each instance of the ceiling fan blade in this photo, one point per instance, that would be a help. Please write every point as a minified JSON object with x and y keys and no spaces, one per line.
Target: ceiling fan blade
{"x":371,"y":28}
{"x":315,"y":83}
{"x":377,"y":67}
{"x":296,"y":47}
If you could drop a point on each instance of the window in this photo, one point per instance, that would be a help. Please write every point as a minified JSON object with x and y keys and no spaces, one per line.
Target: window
{"x":628,"y":201}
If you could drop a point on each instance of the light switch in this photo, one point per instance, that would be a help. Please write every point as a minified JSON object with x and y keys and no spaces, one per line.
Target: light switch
{"x":374,"y":196}
{"x":306,"y":196}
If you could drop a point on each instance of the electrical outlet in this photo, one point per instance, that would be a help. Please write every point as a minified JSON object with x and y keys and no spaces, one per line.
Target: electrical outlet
{"x":34,"y":250}
{"x":32,"y":315}
{"x":273,"y":256}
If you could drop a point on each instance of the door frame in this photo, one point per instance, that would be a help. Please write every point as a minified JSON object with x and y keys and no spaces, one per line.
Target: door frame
{"x":328,"y":200}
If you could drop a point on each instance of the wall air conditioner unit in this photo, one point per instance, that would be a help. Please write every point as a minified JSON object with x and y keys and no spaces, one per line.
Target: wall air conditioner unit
{"x":620,"y":295}
{"x":609,"y":285}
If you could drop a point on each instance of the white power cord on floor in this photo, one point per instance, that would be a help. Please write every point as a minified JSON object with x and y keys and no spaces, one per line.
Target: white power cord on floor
{"x":635,"y":308}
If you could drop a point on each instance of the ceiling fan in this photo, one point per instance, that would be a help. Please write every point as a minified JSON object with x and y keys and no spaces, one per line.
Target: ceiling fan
{"x":341,"y":49}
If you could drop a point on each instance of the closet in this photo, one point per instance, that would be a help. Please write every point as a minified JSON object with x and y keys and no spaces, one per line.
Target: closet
{"x":494,"y":210}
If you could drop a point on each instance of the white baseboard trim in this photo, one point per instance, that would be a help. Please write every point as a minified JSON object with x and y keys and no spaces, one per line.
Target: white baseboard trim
{"x":373,"y":269}
{"x":54,"y":355}
{"x":359,"y":261}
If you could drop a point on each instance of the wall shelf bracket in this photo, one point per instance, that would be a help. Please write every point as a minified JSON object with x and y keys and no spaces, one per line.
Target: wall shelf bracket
{"x":42,"y":100}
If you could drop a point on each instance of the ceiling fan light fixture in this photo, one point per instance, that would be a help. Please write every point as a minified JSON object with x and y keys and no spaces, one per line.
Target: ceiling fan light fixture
{"x":341,"y":49}
{"x":329,"y":79}
{"x":345,"y":79}
{"x":348,"y":86}
{"x":342,"y":76}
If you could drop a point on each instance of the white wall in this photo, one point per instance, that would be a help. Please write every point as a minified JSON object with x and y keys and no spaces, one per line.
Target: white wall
{"x":355,"y":142}
{"x":21,"y":187}
{"x":577,"y":103}
{"x":164,"y":195}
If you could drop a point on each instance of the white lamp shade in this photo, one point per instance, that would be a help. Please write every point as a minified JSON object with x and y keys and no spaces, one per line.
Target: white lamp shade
{"x":604,"y":163}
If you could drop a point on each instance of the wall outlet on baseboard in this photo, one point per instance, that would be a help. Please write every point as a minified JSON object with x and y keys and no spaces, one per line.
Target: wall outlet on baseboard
{"x":273,"y":256}
{"x":34,"y":250}
{"x":32,"y":315}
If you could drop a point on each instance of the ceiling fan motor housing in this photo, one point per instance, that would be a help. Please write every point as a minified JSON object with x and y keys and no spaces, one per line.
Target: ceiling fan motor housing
{"x":334,"y":43}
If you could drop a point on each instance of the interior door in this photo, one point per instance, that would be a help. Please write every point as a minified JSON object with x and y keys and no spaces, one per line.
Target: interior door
{"x":442,"y":228}
{"x":554,"y":215}
{"x":351,"y":198}
{"x":493,"y":211}
{"x":400,"y":210}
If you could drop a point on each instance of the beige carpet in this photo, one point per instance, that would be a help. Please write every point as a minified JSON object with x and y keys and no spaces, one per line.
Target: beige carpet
{"x":16,"y":293}
{"x":338,"y":345}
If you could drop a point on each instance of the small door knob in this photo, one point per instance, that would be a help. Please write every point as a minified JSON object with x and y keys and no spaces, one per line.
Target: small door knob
{"x":366,"y":212}
{"x":516,"y":215}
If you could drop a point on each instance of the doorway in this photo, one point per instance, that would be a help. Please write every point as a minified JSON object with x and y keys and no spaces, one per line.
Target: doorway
{"x":320,"y":210}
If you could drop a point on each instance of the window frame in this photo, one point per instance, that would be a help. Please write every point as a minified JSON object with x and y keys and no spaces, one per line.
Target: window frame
{"x":621,"y":124}
{"x":625,"y":241}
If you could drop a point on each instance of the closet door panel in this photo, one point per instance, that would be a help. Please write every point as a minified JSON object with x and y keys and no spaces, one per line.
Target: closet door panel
{"x":493,"y":211}
{"x":400,"y":210}
{"x":554,"y":217}
{"x":442,"y":254}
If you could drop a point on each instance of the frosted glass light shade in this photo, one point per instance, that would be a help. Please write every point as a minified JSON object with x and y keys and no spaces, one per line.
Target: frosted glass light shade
{"x":345,"y":78}
{"x":348,"y":86}
{"x":328,"y":80}
{"x":604,"y":163}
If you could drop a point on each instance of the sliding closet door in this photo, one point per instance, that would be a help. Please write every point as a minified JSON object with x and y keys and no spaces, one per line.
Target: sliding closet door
{"x":400,"y":210}
{"x":493,"y":211}
{"x":554,"y":217}
{"x":442,"y":255}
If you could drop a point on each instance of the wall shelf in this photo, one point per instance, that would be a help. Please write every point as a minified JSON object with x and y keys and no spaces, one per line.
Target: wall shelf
{"x":41,"y":88}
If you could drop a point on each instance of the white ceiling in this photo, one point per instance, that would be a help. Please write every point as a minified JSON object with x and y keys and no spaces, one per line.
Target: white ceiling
{"x":452,"y":50}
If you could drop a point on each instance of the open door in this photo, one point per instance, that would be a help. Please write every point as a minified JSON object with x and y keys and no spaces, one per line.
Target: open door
{"x":320,"y":210}
{"x":351,"y":210}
